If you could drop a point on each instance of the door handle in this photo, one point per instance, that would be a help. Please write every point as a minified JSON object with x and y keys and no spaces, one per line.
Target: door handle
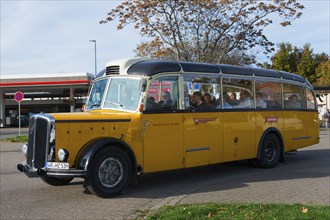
{"x":146,"y":123}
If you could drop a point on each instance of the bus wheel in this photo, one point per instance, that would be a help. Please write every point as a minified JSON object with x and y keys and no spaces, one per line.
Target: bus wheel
{"x":56,"y":181}
{"x":270,"y":152}
{"x":109,"y":172}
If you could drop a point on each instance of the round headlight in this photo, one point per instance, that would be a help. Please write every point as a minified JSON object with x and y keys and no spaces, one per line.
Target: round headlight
{"x":25,"y":149}
{"x":62,"y":154}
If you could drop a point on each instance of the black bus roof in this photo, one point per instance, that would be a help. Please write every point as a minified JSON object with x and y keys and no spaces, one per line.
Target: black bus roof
{"x":152,"y":67}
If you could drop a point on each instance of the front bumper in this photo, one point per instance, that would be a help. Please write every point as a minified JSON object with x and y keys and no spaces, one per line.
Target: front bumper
{"x":44,"y":172}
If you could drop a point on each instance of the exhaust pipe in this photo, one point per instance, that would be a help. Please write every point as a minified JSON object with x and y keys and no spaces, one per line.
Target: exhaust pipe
{"x":20,"y":167}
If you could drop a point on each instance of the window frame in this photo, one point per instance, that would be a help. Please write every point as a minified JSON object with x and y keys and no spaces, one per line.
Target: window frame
{"x":149,"y":84}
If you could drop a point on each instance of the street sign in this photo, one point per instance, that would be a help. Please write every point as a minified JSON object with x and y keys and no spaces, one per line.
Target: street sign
{"x":19,"y":96}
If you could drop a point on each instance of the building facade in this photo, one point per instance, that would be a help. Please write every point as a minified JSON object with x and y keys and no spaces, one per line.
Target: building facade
{"x":57,"y":92}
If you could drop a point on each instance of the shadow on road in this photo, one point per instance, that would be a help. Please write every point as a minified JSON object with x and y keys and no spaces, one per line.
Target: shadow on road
{"x":233,"y":175}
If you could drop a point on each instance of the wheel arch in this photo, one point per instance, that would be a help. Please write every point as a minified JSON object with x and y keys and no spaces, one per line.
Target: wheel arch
{"x":90,"y":149}
{"x":275,"y":131}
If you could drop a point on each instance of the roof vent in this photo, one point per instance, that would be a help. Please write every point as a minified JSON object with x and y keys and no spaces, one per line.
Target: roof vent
{"x":112,"y":70}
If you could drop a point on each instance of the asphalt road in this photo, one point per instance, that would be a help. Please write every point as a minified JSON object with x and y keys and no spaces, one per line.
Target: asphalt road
{"x":11,"y":132}
{"x":303,"y":178}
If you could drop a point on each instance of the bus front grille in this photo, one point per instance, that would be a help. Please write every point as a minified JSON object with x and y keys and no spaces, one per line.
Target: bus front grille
{"x":38,"y":144}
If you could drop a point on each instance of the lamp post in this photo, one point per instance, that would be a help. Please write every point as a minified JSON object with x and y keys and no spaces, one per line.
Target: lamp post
{"x":94,"y":41}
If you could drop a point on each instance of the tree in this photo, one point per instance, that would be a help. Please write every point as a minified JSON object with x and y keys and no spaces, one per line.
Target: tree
{"x":202,"y":30}
{"x":323,"y":73}
{"x":301,"y":61}
{"x":284,"y":59}
{"x":306,"y":66}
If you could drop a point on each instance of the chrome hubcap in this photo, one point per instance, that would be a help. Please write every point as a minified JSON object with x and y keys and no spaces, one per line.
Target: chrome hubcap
{"x":110,"y":172}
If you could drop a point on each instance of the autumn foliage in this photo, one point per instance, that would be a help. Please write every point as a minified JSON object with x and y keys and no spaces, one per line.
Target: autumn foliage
{"x":202,"y":30}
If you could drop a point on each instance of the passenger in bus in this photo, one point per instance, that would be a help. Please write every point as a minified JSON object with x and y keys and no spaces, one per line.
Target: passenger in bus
{"x":151,"y":104}
{"x":260,"y":102}
{"x":233,"y":99}
{"x":293,"y":102}
{"x":167,"y":102}
{"x":225,"y":99}
{"x":310,"y":104}
{"x":209,"y":100}
{"x":197,"y":100}
{"x":245,"y":100}
{"x":226,"y":105}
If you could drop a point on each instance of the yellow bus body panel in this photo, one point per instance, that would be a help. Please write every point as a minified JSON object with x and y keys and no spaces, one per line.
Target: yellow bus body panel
{"x":203,"y":138}
{"x":239,"y":135}
{"x":168,"y":141}
{"x":163,"y":141}
{"x":75,"y":130}
{"x":267,"y":120}
{"x":313,"y":129}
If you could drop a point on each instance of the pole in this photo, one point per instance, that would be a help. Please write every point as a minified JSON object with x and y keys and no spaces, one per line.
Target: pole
{"x":95,"y":60}
{"x":19,"y":119}
{"x":95,"y":63}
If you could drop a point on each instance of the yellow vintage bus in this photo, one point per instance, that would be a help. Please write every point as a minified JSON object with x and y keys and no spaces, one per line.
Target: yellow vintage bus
{"x":145,"y":116}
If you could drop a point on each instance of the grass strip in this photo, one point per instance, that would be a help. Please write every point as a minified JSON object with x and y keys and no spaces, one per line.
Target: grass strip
{"x":241,"y":211}
{"x":22,"y":138}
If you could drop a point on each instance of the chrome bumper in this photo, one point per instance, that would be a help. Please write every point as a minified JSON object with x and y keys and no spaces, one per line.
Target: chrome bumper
{"x":44,"y":172}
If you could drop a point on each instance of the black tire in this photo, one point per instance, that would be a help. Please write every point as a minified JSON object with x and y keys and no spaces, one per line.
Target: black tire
{"x":270,"y":152}
{"x":108,"y":173}
{"x":56,"y":181}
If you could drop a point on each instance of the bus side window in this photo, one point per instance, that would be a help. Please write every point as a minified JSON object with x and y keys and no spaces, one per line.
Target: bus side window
{"x":294,"y":96}
{"x":270,"y":93}
{"x":240,"y":92}
{"x":201,"y":93}
{"x":310,"y":99}
{"x":163,"y":94}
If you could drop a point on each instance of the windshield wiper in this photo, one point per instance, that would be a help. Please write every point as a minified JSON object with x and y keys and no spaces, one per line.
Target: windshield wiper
{"x":116,"y":104}
{"x":96,"y":105}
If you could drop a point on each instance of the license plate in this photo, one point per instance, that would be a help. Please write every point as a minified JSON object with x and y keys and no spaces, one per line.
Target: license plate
{"x":57,"y":165}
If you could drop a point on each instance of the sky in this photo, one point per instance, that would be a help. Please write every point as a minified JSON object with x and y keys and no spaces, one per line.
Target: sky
{"x":39,"y":37}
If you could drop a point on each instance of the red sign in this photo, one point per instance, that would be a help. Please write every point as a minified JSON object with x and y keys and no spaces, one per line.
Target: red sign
{"x":18,"y":96}
{"x":271,"y":119}
{"x":198,"y":121}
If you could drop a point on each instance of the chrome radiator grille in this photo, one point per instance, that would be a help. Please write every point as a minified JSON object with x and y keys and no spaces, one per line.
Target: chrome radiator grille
{"x":38,"y":145}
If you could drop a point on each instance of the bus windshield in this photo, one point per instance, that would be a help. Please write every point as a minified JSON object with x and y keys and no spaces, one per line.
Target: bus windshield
{"x":121,"y":94}
{"x":96,"y":94}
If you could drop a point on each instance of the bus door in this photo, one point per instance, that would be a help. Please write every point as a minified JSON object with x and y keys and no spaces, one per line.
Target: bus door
{"x":202,"y":138}
{"x":202,"y":121}
{"x":296,"y":118}
{"x":163,"y":126}
{"x":239,"y":119}
{"x":239,"y":135}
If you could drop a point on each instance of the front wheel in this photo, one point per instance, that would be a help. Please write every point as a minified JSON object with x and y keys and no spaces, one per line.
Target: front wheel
{"x":109,"y":172}
{"x":270,"y":152}
{"x":56,"y":181}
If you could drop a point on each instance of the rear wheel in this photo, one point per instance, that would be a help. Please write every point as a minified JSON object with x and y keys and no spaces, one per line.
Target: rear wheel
{"x":109,"y":172}
{"x":270,"y":152}
{"x":56,"y":181}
